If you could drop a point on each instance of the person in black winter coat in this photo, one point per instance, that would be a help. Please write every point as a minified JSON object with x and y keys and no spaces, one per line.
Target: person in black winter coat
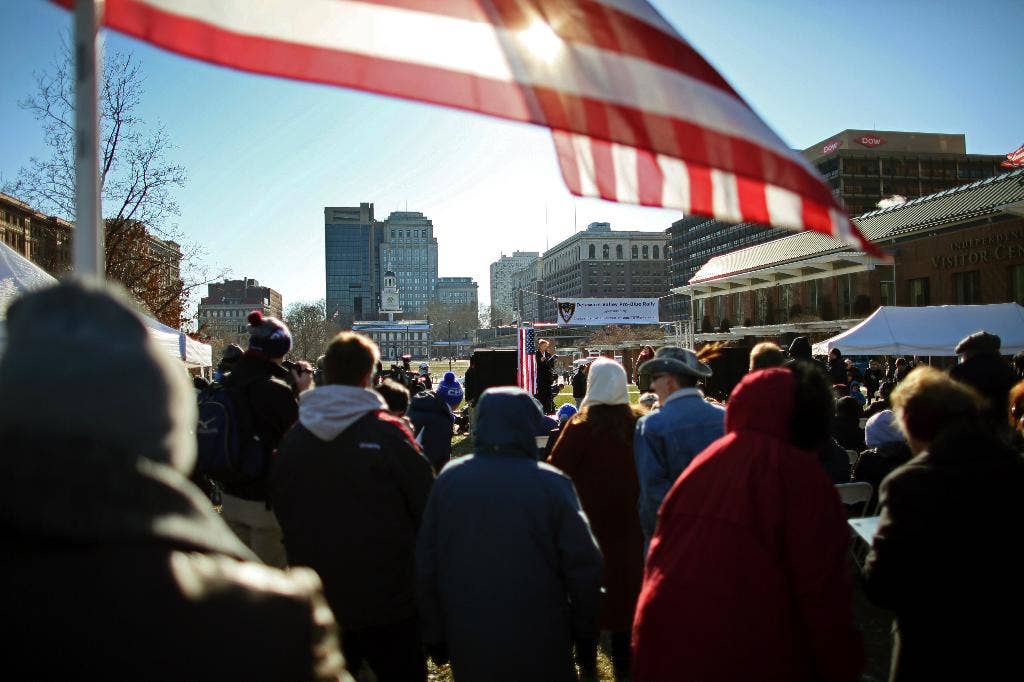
{"x":837,"y":366}
{"x":946,"y":558}
{"x":269,"y":394}
{"x":114,"y":565}
{"x":349,"y":488}
{"x":846,"y":424}
{"x":433,"y":425}
{"x":579,"y":383}
{"x":984,"y":370}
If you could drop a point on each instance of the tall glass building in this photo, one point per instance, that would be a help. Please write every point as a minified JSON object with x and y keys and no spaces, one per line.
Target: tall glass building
{"x":408,"y":246}
{"x":352,"y":241}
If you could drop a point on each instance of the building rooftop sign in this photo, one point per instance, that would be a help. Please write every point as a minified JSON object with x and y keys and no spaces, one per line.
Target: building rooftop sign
{"x":870,"y":140}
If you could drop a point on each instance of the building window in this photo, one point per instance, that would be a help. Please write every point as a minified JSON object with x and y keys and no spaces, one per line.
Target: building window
{"x":656,"y":256}
{"x":634,"y":252}
{"x":606,"y":251}
{"x":785,"y":302}
{"x":918,"y":292}
{"x":618,"y":251}
{"x":846,"y":296}
{"x":737,"y":308}
{"x":644,"y":251}
{"x":1016,"y":279}
{"x":762,"y":306}
{"x":887,"y":294}
{"x":591,"y":252}
{"x":967,"y":287}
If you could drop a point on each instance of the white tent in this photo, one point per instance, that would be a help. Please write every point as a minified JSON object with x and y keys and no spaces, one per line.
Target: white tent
{"x":18,"y":275}
{"x":929,"y":330}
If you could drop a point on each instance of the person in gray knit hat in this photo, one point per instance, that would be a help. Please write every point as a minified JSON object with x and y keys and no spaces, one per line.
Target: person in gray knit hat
{"x":111,"y":556}
{"x":666,"y":441}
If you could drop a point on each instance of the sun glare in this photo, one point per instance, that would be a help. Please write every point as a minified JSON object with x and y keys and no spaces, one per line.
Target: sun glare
{"x":541,"y":41}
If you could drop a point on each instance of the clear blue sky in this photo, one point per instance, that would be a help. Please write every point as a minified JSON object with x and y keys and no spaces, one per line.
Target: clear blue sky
{"x":265,"y":155}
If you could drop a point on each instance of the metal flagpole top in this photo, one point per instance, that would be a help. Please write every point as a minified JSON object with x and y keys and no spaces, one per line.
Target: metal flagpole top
{"x":88,"y":235}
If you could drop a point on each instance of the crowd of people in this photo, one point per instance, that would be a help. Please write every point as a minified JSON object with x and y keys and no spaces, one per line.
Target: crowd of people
{"x":707,"y":541}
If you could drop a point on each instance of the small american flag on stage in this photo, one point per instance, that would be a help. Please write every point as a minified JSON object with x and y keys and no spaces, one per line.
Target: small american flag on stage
{"x":526,"y":374}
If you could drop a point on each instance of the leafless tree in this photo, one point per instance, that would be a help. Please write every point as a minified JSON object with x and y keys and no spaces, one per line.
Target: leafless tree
{"x":311,"y":330}
{"x":137,"y":181}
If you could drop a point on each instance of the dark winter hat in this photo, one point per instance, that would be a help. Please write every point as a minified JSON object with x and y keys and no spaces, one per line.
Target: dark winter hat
{"x":979,"y":343}
{"x":800,"y":348}
{"x":232,"y":352}
{"x":269,"y":335}
{"x":111,"y":385}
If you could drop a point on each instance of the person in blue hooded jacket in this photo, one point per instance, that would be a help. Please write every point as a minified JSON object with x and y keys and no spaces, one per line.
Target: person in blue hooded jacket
{"x":433,"y":424}
{"x":508,"y":571}
{"x":450,"y":390}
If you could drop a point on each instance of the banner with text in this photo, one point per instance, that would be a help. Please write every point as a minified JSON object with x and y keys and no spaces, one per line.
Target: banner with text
{"x":603,"y":311}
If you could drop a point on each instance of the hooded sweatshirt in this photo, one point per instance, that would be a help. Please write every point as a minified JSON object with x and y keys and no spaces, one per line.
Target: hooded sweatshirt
{"x":349,"y":487}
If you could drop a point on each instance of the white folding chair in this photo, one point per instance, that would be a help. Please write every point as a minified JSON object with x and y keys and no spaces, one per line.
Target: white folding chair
{"x":851,"y":494}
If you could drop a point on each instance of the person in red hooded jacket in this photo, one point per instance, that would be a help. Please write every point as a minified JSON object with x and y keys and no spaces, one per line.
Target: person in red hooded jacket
{"x":747,"y":575}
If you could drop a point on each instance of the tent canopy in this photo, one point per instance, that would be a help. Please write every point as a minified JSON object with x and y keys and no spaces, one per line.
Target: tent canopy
{"x":19,"y":275}
{"x":929,"y":330}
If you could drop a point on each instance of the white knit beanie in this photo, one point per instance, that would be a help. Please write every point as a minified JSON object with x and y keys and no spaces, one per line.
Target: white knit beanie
{"x":606,"y":384}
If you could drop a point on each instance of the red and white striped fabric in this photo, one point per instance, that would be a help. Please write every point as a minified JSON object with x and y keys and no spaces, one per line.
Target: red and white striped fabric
{"x":526,"y":367}
{"x":638,"y":115}
{"x":1014,"y":159}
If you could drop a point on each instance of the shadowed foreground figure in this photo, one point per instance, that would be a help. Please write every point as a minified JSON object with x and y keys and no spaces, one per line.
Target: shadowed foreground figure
{"x":114,"y":565}
{"x":747,"y":576}
{"x":947,"y":557}
{"x":508,"y":570}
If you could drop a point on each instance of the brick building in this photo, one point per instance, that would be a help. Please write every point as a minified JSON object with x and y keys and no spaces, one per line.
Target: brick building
{"x":223,"y":311}
{"x":960,"y":246}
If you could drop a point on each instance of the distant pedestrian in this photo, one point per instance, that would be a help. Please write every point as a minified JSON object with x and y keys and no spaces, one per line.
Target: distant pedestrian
{"x":646,"y":353}
{"x":579,"y":382}
{"x":433,"y":426}
{"x":837,"y":367}
{"x":545,"y":376}
{"x":985,"y":371}
{"x":509,"y":572}
{"x":596,"y":451}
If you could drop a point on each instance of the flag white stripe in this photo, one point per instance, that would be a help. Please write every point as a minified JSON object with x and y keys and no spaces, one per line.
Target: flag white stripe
{"x":675,"y":190}
{"x":725,"y":200}
{"x":585,"y":164}
{"x":784,"y":207}
{"x":624,"y":162}
{"x":473,"y":48}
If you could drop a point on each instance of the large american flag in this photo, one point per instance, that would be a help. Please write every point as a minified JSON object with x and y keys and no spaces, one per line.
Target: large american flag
{"x":526,"y":372}
{"x":638,"y":116}
{"x":1014,"y":159}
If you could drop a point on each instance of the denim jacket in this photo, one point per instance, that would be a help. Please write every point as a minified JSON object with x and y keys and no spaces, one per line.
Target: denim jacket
{"x":666,"y":442}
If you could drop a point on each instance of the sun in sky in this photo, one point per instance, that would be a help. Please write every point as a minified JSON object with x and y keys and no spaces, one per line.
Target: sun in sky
{"x":541,"y":41}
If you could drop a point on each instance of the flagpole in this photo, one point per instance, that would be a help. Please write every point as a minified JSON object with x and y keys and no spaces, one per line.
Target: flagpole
{"x":88,"y":238}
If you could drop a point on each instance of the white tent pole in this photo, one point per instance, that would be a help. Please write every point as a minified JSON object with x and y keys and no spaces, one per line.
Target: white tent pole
{"x":88,"y":241}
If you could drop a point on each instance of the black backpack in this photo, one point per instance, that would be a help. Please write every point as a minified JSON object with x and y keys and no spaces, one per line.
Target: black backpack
{"x":229,"y":450}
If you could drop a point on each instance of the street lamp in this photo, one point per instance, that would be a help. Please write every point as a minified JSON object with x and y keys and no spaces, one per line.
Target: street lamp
{"x":449,"y":345}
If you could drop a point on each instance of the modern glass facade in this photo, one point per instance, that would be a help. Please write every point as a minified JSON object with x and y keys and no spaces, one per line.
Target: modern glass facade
{"x":351,"y":242}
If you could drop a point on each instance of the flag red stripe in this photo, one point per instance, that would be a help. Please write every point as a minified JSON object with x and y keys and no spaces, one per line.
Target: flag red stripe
{"x":650,"y":179}
{"x":567,"y":161}
{"x":700,"y":189}
{"x":628,"y":125}
{"x":753,"y":203}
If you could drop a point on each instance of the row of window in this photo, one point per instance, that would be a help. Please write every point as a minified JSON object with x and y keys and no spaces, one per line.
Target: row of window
{"x":606,"y":252}
{"x":817,"y":300}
